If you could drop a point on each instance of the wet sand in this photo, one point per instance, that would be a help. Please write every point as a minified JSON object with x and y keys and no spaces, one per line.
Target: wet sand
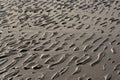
{"x":59,"y":40}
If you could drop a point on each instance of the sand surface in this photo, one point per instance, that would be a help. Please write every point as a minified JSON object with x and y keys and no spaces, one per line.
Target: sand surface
{"x":59,"y":39}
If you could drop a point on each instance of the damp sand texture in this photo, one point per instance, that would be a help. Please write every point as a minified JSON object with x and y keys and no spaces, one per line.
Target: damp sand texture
{"x":59,"y":39}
